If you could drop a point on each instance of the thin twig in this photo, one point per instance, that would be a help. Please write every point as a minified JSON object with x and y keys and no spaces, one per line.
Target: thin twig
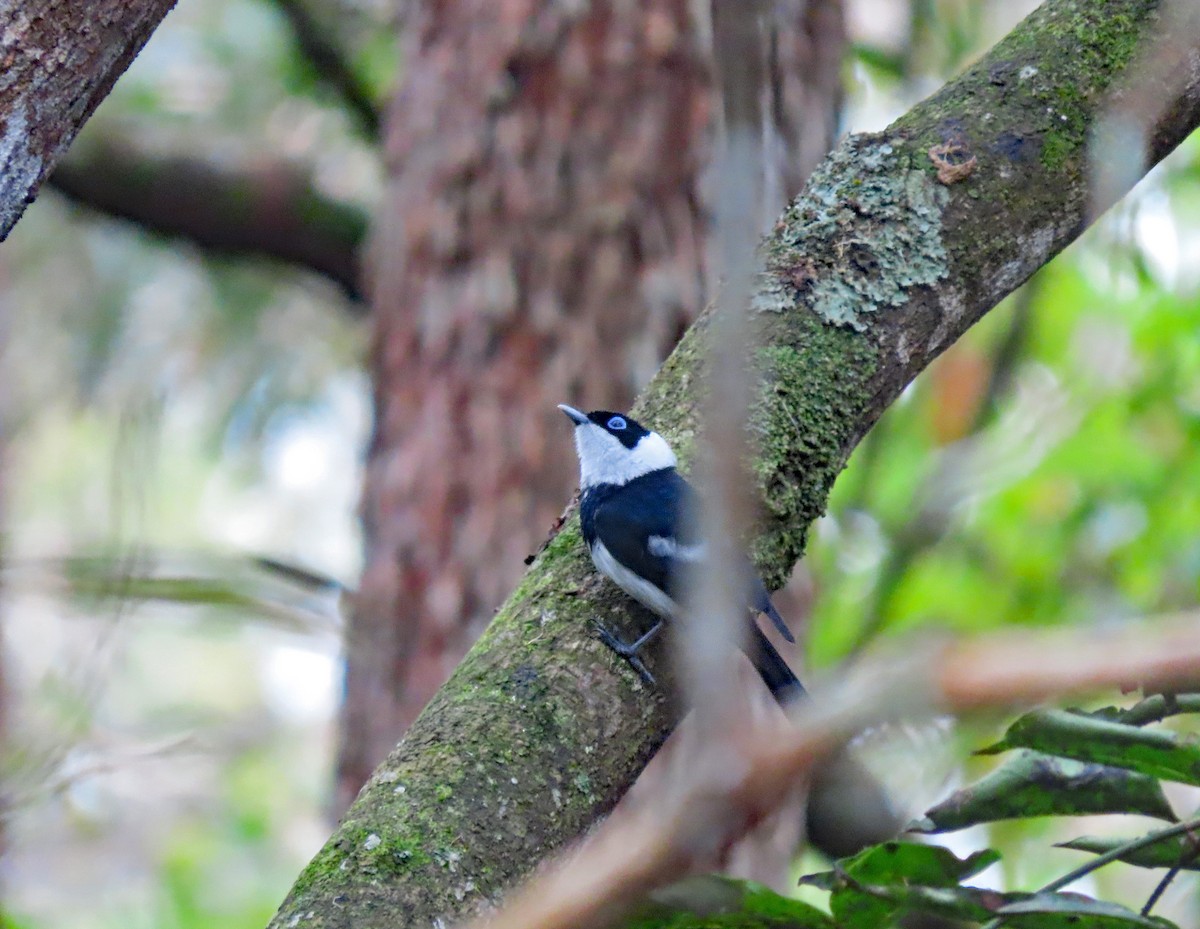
{"x":1158,"y":707}
{"x":329,"y":62}
{"x":1122,"y":135}
{"x":1162,"y":885}
{"x":715,"y":607}
{"x":1114,"y":854}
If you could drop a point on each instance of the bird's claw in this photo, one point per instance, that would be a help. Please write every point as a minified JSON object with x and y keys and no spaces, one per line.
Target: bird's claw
{"x":629,"y":651}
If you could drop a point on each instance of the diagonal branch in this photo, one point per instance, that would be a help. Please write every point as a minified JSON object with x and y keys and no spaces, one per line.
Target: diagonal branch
{"x":271,"y":210}
{"x":874,"y":270}
{"x":60,"y":60}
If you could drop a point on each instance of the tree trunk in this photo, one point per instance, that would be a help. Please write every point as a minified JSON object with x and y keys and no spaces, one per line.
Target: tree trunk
{"x":542,"y":242}
{"x":876,"y":268}
{"x":60,"y":60}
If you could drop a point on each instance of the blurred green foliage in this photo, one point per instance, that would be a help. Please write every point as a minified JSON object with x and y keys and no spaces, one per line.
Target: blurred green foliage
{"x":715,"y":902}
{"x":894,"y":882}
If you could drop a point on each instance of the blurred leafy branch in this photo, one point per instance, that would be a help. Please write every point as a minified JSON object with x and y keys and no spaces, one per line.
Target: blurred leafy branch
{"x":897,"y":882}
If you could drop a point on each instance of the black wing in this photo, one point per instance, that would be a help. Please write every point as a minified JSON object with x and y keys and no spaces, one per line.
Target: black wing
{"x":663,"y":505}
{"x":657,"y":505}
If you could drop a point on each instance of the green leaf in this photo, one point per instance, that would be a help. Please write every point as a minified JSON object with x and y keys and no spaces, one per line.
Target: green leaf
{"x":1156,"y":752}
{"x":1171,"y":852}
{"x":874,"y":886}
{"x":916,"y":863}
{"x":1034,"y":784}
{"x":714,"y":902}
{"x":870,"y":906}
{"x":1072,"y":911}
{"x":884,"y":883}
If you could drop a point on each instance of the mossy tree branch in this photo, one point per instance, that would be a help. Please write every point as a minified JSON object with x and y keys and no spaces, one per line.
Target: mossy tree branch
{"x":874,"y":270}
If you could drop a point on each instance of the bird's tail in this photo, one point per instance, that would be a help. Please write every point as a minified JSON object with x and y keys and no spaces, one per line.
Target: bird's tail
{"x":848,"y":808}
{"x":775,"y":672}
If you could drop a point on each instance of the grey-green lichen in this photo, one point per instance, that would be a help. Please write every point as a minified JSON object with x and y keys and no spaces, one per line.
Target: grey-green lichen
{"x":871,"y":229}
{"x":1025,"y":112}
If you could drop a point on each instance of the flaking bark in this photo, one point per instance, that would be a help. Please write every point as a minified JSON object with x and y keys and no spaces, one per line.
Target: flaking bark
{"x":873,"y":271}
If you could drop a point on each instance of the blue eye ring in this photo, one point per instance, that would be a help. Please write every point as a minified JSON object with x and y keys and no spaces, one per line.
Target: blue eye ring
{"x":617,"y":423}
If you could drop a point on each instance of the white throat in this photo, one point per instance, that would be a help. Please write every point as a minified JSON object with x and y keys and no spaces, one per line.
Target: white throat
{"x":604,"y":460}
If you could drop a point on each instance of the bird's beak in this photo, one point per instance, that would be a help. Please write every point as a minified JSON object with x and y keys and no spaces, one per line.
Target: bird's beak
{"x":575,"y":416}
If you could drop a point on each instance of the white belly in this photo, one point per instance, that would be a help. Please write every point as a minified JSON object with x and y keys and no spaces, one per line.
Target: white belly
{"x":637,"y":587}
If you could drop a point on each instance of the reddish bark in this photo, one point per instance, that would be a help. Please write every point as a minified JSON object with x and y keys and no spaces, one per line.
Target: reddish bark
{"x":542,"y":242}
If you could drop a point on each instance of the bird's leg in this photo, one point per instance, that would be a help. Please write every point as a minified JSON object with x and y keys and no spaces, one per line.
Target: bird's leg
{"x":629,"y":650}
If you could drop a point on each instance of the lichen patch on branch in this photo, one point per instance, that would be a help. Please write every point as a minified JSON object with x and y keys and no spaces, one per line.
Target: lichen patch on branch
{"x":871,"y":228}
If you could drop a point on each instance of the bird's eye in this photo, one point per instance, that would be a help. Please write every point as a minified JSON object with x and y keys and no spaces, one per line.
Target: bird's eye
{"x":617,"y":423}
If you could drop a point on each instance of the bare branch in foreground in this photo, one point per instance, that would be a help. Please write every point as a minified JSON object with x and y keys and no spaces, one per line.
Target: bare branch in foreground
{"x":708,"y":807}
{"x":1123,"y":139}
{"x":716,"y":602}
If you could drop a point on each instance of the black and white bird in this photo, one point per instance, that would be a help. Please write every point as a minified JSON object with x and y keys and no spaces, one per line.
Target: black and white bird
{"x":640,"y":522}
